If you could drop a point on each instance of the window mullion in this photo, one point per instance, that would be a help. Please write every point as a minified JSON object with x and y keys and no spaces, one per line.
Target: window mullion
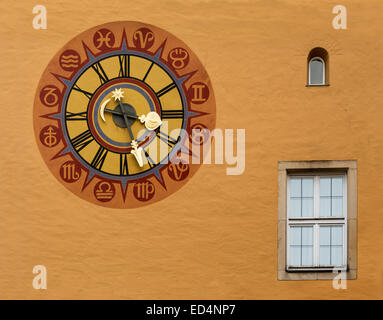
{"x":316,"y":197}
{"x":316,"y":245}
{"x":316,"y":215}
{"x":345,"y":224}
{"x":288,"y":244}
{"x":345,"y":246}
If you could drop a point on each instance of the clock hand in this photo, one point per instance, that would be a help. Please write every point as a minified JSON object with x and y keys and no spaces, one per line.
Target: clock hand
{"x":118,"y":95}
{"x":103,"y":109}
{"x":127,"y":122}
{"x":120,"y":113}
{"x":137,"y":151}
{"x":152,"y":120}
{"x":113,"y":111}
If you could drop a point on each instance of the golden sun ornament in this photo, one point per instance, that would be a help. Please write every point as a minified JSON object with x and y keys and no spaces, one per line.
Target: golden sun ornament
{"x":117,"y":94}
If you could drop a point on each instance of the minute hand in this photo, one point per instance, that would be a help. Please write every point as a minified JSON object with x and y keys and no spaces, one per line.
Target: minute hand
{"x":137,"y":151}
{"x":120,"y":113}
{"x":126,"y":121}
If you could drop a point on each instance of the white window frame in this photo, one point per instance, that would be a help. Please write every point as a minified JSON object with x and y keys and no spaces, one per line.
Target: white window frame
{"x":324,"y":72}
{"x":316,"y":221}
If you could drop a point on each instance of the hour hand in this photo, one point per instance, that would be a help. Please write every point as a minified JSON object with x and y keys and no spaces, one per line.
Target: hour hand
{"x":113,"y":111}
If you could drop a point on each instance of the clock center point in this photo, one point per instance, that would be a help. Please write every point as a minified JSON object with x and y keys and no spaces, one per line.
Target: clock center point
{"x":118,"y":120}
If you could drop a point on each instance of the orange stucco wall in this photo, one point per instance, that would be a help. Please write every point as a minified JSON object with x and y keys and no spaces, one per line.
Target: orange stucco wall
{"x":216,"y":237}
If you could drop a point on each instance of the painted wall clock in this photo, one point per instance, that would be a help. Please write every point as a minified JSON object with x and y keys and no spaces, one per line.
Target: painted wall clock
{"x":115,"y":110}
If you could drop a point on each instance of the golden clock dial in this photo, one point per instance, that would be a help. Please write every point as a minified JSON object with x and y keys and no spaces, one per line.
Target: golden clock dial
{"x":115,"y":107}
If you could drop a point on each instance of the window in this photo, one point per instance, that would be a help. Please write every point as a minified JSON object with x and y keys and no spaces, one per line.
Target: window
{"x":318,"y":67}
{"x":317,"y":213}
{"x":316,"y":220}
{"x":317,"y":71}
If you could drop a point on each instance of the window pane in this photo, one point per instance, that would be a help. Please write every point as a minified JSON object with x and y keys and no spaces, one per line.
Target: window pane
{"x":295,"y":187}
{"x":325,"y":187}
{"x":337,"y":187}
{"x":336,"y":255}
{"x":331,"y":245}
{"x":295,"y":246}
{"x":325,"y":246}
{"x":295,"y":255}
{"x":331,"y":197}
{"x":307,"y":207}
{"x":325,"y":207}
{"x":307,"y":255}
{"x":337,"y":207}
{"x":324,"y":256}
{"x":295,"y":197}
{"x":307,"y":246}
{"x":295,"y":236}
{"x":307,"y":187}
{"x":295,"y":208}
{"x":301,"y":197}
{"x":316,"y":72}
{"x":337,"y":235}
{"x":307,"y":235}
{"x":324,"y":236}
{"x":301,"y":246}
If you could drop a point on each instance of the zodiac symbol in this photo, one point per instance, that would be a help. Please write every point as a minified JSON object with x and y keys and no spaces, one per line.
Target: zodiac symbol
{"x":143,"y":38}
{"x":178,"y":171}
{"x":104,"y":191}
{"x":199,"y":134}
{"x":50,"y":96}
{"x":198,"y":92}
{"x":70,"y":60}
{"x":144,"y":191}
{"x":179,"y":58}
{"x":70,"y":171}
{"x":50,"y":136}
{"x":103,"y":39}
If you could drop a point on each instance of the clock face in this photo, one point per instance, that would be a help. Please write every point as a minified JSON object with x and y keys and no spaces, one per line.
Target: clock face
{"x":119,"y":112}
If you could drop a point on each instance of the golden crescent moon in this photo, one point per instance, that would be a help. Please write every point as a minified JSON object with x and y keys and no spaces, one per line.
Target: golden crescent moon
{"x":102,"y":108}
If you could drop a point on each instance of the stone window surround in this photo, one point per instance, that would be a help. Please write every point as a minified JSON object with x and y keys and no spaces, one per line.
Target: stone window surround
{"x":318,"y":166}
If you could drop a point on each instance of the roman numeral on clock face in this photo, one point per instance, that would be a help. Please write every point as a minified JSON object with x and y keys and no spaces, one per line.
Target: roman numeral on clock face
{"x":82,"y":140}
{"x":172,"y":114}
{"x":167,"y":139}
{"x":72,"y":116}
{"x":97,"y":67}
{"x":147,"y":72}
{"x":86,"y":93}
{"x":151,"y":163}
{"x":124,"y":66}
{"x":166,"y":89}
{"x":123,"y":164}
{"x":99,"y":158}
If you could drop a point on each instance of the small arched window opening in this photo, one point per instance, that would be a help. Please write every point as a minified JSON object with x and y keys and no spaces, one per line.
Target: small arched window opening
{"x":318,"y":67}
